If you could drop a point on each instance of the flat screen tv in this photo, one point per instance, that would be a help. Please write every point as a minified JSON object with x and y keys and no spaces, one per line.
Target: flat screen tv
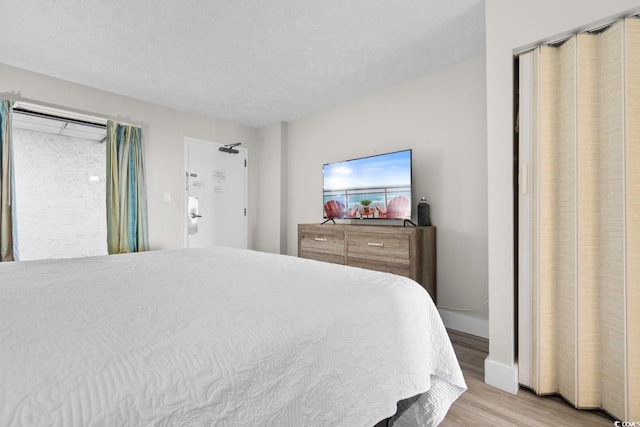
{"x":374,"y":187}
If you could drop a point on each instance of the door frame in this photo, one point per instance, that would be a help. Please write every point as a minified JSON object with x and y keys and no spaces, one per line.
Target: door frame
{"x":185,"y":186}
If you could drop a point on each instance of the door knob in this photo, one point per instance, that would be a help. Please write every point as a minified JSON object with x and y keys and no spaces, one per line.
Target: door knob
{"x":193,"y":215}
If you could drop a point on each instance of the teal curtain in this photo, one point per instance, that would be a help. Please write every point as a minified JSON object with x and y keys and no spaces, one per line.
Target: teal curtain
{"x":6,"y":183}
{"x":126,"y":190}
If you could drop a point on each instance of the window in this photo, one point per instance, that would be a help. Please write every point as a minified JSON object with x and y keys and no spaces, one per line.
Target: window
{"x":60,"y":187}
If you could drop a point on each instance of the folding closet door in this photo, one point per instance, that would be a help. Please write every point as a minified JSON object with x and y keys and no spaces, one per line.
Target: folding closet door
{"x":582,"y":253}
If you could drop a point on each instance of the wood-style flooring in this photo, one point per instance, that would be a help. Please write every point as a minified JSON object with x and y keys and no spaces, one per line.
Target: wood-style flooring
{"x":484,"y":405}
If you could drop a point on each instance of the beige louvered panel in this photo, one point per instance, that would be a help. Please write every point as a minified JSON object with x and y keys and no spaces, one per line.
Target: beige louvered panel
{"x":588,"y":218}
{"x":633,"y":215}
{"x":535,"y":222}
{"x":546,"y":287}
{"x":565,"y":218}
{"x":612,"y":278}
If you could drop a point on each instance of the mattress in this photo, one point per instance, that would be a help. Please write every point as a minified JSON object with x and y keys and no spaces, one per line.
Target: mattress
{"x":223,"y":337}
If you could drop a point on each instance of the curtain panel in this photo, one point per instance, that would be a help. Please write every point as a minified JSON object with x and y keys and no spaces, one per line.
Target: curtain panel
{"x":585,"y":220}
{"x":126,"y":190}
{"x":6,"y":183}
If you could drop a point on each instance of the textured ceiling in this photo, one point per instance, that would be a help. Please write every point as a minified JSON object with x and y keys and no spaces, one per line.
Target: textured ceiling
{"x":251,"y":62}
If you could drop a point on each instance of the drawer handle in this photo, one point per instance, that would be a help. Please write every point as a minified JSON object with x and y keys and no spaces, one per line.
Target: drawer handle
{"x":320,"y":239}
{"x":377,"y":245}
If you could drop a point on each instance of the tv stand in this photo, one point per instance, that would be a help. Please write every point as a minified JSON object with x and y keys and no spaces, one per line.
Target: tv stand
{"x":407,"y":251}
{"x":327,"y":220}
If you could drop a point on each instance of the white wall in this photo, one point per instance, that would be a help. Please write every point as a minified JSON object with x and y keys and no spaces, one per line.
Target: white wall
{"x":441,"y":117}
{"x":272,"y":198}
{"x":511,"y":25}
{"x":163,"y":131}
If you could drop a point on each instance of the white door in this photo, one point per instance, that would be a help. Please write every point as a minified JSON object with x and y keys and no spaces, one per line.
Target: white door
{"x":216,"y":195}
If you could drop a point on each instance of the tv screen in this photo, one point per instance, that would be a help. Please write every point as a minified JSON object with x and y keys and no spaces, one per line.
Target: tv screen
{"x":375,"y":187}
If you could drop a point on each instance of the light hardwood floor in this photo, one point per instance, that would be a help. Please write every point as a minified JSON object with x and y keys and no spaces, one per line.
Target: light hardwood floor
{"x":483,"y":405}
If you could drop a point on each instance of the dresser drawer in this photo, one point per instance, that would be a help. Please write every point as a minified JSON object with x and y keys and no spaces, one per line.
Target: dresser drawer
{"x":382,"y":247}
{"x":399,"y":268}
{"x":319,"y":256}
{"x":316,"y":240}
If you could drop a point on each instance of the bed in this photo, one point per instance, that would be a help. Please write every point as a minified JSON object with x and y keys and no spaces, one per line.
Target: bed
{"x":224,"y":337}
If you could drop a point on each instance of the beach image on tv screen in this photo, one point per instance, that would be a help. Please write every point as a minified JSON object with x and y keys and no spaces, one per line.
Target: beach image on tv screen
{"x":371,"y":187}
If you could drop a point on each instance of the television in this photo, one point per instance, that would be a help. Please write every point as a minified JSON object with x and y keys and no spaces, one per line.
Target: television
{"x":373,"y":187}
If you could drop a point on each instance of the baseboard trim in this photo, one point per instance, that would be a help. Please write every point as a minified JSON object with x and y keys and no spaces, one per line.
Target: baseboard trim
{"x":464,"y":323}
{"x":504,"y":377}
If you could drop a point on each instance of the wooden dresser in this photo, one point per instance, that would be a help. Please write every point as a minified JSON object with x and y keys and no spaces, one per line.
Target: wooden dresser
{"x":407,"y":251}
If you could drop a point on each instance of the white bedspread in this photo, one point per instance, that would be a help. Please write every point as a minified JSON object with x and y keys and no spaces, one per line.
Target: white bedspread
{"x":222,"y":337}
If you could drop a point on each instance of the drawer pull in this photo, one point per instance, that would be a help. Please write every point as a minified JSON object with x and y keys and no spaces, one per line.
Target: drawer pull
{"x":320,"y":239}
{"x":377,"y":245}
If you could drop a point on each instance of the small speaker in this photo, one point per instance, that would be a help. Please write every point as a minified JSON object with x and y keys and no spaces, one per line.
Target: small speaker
{"x":424,"y":212}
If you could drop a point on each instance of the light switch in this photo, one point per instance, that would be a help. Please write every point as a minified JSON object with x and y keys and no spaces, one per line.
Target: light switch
{"x":167,"y":197}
